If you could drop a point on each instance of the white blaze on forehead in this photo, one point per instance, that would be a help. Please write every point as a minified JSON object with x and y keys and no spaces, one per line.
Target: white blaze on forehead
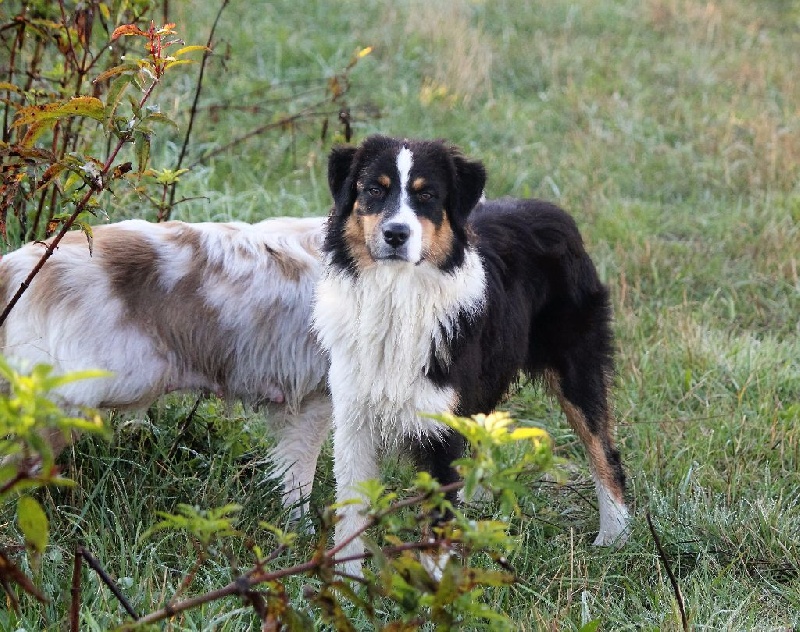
{"x":405,"y":214}
{"x":404,"y":161}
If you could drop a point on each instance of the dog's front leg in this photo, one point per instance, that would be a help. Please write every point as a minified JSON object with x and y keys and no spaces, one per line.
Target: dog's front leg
{"x":354,"y":461}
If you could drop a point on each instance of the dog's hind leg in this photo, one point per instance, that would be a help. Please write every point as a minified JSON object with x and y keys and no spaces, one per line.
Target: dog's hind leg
{"x":584,"y":399}
{"x":300,"y":436}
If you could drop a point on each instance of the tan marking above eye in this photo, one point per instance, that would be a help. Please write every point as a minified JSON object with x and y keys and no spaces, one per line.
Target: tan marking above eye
{"x":418,"y":184}
{"x":385,"y":180}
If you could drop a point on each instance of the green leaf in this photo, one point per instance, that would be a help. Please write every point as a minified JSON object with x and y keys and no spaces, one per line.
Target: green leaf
{"x":158,"y":117}
{"x":33,"y":523}
{"x":115,"y":93}
{"x":141,"y":146}
{"x":590,"y":626}
{"x":50,"y":382}
{"x":127,"y":67}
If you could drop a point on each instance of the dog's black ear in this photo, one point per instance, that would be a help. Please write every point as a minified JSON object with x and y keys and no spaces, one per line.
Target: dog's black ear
{"x":340,"y":181}
{"x":470,"y":179}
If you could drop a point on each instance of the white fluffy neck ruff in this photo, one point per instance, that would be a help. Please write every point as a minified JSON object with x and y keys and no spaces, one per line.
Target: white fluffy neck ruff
{"x":380,"y":328}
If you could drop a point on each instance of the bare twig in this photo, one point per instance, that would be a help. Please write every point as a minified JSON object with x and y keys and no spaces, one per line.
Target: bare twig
{"x":287,"y":121}
{"x":75,"y":591}
{"x":95,"y":565}
{"x":675,"y":587}
{"x":193,"y":112}
{"x":184,"y":427}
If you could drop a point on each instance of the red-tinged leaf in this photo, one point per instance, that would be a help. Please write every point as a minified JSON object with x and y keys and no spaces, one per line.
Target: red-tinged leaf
{"x":188,"y":49}
{"x":121,"y":170}
{"x":127,"y":29}
{"x":51,"y":172}
{"x":130,"y":66}
{"x":83,"y":25}
{"x":167,"y":29}
{"x":33,"y":523}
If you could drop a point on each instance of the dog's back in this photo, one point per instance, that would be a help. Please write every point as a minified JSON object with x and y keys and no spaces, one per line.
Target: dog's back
{"x":164,"y":307}
{"x":221,"y":307}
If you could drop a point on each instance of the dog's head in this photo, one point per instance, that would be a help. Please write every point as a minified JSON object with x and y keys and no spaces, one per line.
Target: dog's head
{"x":401,"y":202}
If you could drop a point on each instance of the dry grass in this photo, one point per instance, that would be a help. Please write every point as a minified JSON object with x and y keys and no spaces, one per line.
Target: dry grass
{"x":459,"y":53}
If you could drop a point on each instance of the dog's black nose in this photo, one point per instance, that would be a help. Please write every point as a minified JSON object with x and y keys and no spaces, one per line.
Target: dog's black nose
{"x":396,"y":234}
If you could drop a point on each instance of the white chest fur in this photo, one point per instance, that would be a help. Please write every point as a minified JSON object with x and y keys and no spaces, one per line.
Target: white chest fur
{"x":380,"y":329}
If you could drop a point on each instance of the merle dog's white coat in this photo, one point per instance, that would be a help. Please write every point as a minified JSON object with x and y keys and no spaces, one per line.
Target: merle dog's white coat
{"x":223,"y":307}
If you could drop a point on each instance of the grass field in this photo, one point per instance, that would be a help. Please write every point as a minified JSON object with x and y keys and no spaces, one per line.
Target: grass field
{"x":671,"y":130}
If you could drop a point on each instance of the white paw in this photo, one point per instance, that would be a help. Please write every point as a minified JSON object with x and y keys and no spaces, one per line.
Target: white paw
{"x":434,"y":564}
{"x":352,"y":568}
{"x":614,"y":526}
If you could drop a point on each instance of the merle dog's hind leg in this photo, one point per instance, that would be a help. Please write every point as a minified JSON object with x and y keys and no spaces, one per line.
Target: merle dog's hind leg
{"x":300,"y":436}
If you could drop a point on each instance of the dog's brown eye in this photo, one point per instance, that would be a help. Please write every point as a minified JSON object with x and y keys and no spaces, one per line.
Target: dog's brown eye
{"x":424,"y":196}
{"x":375,"y":192}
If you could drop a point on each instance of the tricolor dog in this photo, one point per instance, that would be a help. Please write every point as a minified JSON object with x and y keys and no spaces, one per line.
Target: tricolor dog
{"x":433,"y":299}
{"x":220,"y":307}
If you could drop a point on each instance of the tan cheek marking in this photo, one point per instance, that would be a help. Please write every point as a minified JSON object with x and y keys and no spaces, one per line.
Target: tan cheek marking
{"x":356,"y":241}
{"x":437,"y":241}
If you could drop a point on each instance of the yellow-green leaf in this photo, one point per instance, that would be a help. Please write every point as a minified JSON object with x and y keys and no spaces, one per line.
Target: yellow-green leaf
{"x":35,"y":131}
{"x":79,"y":106}
{"x":528,"y":433}
{"x":189,"y":49}
{"x":33,"y":523}
{"x":179,"y":62}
